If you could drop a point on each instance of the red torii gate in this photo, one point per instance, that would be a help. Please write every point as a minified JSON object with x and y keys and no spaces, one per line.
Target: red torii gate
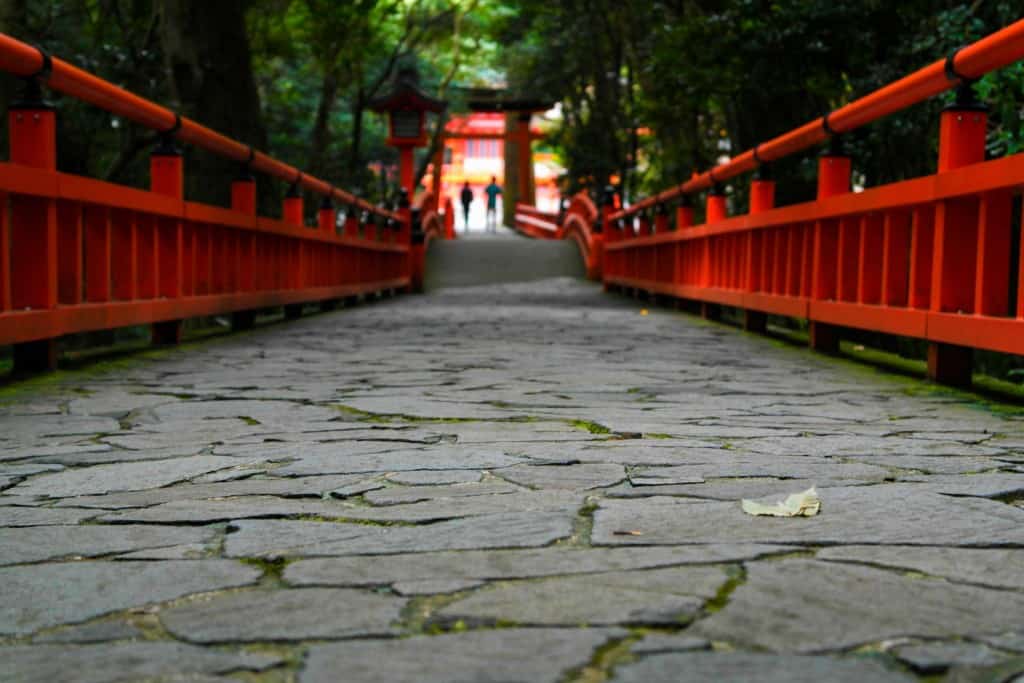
{"x":517,"y":136}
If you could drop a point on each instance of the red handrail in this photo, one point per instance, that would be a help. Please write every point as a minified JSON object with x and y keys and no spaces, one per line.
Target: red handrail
{"x":988,"y":54}
{"x":79,"y":254}
{"x":926,"y":258}
{"x":21,"y":59}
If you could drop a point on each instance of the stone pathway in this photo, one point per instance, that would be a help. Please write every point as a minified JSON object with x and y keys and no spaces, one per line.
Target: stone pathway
{"x":516,"y":482}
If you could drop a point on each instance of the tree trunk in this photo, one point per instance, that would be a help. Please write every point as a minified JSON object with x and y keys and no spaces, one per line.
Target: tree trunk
{"x":207,"y":52}
{"x":320,"y":139}
{"x":355,"y":164}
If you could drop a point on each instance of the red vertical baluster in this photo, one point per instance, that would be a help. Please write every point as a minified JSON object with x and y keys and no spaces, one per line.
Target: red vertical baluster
{"x":992,"y":295}
{"x":167,"y":177}
{"x":96,"y":221}
{"x":32,"y":129}
{"x":70,"y":278}
{"x":871,"y":258}
{"x":955,"y":259}
{"x":895,"y":258}
{"x":5,"y":254}
{"x":833,"y":179}
{"x":250,"y":267}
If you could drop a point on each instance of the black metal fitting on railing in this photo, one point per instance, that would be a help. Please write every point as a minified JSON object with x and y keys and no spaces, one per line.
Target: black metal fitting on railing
{"x":836,"y":147}
{"x":293,"y":189}
{"x":416,"y":234}
{"x":717,"y":189}
{"x":165,"y":146}
{"x":608,"y":196}
{"x":245,"y":168}
{"x":32,"y":95}
{"x":403,"y":198}
{"x":952,"y":75}
{"x":326,"y":202}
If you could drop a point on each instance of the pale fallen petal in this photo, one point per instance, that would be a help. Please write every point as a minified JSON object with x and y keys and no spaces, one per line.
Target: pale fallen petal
{"x":806,"y":504}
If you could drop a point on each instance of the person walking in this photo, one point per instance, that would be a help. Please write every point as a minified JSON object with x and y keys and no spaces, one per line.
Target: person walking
{"x":492,"y":191}
{"x":467,"y":198}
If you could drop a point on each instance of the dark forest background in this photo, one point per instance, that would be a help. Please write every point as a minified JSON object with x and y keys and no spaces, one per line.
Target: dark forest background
{"x":650,"y":91}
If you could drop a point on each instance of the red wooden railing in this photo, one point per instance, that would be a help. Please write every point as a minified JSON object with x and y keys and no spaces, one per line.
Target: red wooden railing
{"x":78,"y":254}
{"x":928,"y":258}
{"x":532,"y":222}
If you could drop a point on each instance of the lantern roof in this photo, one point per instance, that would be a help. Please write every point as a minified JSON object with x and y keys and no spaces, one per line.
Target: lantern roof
{"x":405,"y":94}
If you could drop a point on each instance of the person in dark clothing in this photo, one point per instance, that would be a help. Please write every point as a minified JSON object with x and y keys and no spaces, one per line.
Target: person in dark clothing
{"x":467,"y":198}
{"x":492,"y":191}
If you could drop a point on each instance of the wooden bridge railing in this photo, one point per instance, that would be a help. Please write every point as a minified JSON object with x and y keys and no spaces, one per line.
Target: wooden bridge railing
{"x":930,"y":258}
{"x":78,"y":254}
{"x":533,"y":222}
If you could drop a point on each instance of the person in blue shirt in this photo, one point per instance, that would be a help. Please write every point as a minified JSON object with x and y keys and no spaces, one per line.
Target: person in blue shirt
{"x":492,"y":192}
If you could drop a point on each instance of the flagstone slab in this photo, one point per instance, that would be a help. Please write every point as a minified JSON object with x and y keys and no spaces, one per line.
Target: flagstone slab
{"x":746,"y":667}
{"x":133,"y":476}
{"x":41,"y":596}
{"x":498,"y":656}
{"x":935,"y":658}
{"x":390,"y":459}
{"x":884,"y":514}
{"x":164,"y":661}
{"x":510,"y":564}
{"x":341,"y":485}
{"x":265,"y":507}
{"x":39,"y":543}
{"x":573,"y":477}
{"x":273,"y":538}
{"x":658,"y":597}
{"x":396,"y":495}
{"x":283,"y":615}
{"x":996,"y":567}
{"x":808,"y":606}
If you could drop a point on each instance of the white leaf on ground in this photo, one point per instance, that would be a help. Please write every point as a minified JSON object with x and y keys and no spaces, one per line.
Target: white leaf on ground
{"x":806,"y":504}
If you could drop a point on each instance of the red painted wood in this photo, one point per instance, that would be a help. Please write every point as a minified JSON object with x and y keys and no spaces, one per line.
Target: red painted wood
{"x":895,"y":258}
{"x":70,"y":266}
{"x":992,"y":295}
{"x":5,"y":255}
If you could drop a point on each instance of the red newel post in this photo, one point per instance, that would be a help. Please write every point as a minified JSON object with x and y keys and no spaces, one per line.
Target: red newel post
{"x":293,"y":213}
{"x":834,"y":168}
{"x":250,"y":268}
{"x":762,"y":198}
{"x":715,"y":210}
{"x":32,"y":129}
{"x":971,"y":251}
{"x":327,"y":217}
{"x":167,"y":177}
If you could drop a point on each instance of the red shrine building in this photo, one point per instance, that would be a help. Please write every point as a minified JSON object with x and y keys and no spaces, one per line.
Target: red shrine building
{"x":475,"y":152}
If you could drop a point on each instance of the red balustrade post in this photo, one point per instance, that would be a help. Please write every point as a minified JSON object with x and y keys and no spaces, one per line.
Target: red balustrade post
{"x":684,"y":215}
{"x":449,"y":219}
{"x":327,"y":217}
{"x":660,"y":219}
{"x":834,"y":168}
{"x":33,"y":269}
{"x":762,"y":198}
{"x":293,"y":213}
{"x":966,"y":239}
{"x":352,"y":221}
{"x":411,"y":233}
{"x":327,"y":222}
{"x":716,"y":209}
{"x":167,"y":177}
{"x":252,"y":247}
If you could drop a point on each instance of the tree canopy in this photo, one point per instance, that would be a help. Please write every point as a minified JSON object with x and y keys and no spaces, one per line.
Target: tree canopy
{"x":649,"y":91}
